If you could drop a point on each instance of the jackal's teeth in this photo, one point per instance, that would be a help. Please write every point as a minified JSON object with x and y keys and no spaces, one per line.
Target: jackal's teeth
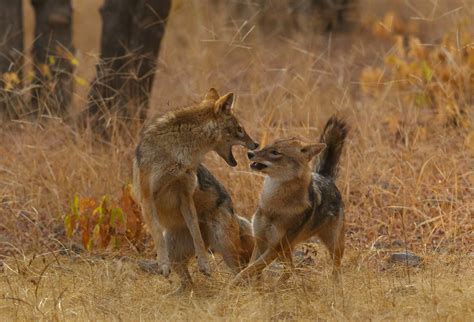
{"x":258,"y":166}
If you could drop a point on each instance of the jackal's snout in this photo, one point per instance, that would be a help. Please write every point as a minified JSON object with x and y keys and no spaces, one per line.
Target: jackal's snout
{"x":258,"y":163}
{"x":245,"y":139}
{"x":252,"y":145}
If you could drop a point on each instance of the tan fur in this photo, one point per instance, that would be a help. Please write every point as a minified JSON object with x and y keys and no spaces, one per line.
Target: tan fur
{"x":287,"y":212}
{"x":164,"y":169}
{"x":223,"y":232}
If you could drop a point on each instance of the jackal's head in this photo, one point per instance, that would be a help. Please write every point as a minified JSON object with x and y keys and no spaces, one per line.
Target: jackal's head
{"x":230,"y":131}
{"x":285,"y":159}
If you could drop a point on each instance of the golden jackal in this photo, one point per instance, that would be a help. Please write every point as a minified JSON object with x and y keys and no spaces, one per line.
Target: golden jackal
{"x":297,"y":203}
{"x":222,"y":230}
{"x":167,"y":156}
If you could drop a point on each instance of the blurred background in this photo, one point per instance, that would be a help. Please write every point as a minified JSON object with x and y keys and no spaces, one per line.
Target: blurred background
{"x":77,"y":82}
{"x":399,"y":71}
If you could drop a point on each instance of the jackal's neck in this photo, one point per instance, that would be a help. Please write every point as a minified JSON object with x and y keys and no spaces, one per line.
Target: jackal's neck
{"x":200,"y":139}
{"x":205,"y":134}
{"x":187,"y":135}
{"x":286,"y":195}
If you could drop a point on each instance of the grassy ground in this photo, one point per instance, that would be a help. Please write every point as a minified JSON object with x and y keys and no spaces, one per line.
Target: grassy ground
{"x":406,"y":177}
{"x":83,"y":288}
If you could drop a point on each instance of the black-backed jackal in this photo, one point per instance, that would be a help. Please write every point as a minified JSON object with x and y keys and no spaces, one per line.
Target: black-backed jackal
{"x":297,"y":203}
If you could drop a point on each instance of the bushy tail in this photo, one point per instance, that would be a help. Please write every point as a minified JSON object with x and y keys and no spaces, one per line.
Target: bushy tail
{"x":333,"y":136}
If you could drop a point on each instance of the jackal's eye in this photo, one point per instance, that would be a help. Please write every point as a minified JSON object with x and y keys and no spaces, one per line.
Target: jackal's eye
{"x":240,"y":131}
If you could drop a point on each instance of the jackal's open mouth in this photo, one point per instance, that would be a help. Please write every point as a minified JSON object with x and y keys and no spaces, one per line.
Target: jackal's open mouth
{"x":257,"y":166}
{"x":226,"y":154}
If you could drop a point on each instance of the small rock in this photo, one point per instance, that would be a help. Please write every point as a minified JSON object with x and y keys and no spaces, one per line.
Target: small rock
{"x":407,"y":258}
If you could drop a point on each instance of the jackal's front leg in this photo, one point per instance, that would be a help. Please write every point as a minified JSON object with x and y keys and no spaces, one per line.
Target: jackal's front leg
{"x":149,"y":215}
{"x":266,"y":250}
{"x":257,"y":266}
{"x":189,"y":213}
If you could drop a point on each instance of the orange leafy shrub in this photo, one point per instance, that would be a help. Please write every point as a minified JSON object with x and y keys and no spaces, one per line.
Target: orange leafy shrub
{"x":102,"y":224}
{"x":439,"y":76}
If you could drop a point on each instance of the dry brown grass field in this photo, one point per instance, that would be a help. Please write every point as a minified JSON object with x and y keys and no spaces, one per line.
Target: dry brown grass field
{"x":407,"y":172}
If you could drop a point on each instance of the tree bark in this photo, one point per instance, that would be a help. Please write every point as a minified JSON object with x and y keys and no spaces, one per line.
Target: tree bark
{"x":149,"y":21}
{"x":132,"y":31}
{"x":335,"y":14}
{"x":106,"y":95}
{"x":11,"y":57}
{"x":53,"y":55}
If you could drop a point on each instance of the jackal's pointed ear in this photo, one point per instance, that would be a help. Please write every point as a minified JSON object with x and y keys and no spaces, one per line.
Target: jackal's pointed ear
{"x":312,"y":150}
{"x":211,"y":95}
{"x":224,"y":104}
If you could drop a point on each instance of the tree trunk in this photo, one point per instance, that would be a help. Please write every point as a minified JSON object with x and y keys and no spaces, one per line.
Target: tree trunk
{"x":148,"y":30}
{"x":107,"y":92}
{"x":53,"y":55}
{"x":11,"y":57}
{"x":336,"y":15}
{"x":132,"y":31}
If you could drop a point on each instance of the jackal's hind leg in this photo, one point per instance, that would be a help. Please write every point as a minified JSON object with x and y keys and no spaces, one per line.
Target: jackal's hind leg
{"x":180,"y":249}
{"x":224,"y":237}
{"x":230,"y":254}
{"x":332,"y":236}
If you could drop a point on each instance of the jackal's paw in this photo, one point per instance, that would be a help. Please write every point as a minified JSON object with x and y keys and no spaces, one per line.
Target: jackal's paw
{"x":165,"y":269}
{"x":204,"y":267}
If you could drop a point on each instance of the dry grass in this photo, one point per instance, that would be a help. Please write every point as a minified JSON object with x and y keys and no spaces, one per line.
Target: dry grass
{"x":405,"y":186}
{"x":81,"y":288}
